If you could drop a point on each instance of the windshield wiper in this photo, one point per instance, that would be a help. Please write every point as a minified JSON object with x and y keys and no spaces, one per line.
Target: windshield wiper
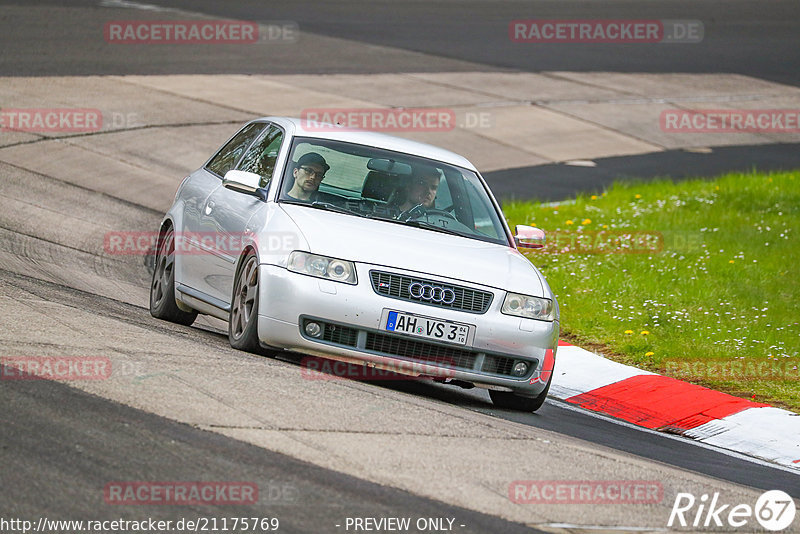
{"x":430,"y":226}
{"x":332,"y":207}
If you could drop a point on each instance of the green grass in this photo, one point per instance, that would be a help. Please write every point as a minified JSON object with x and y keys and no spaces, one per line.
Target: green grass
{"x":712,"y":298}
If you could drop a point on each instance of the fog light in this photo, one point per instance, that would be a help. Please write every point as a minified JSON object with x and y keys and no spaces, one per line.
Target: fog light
{"x":313,"y":329}
{"x":520,"y":368}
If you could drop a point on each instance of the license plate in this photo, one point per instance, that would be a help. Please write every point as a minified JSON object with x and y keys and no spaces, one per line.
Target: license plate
{"x":427,"y":327}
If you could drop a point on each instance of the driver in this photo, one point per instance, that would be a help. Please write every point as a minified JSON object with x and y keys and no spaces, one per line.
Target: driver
{"x":420,"y":191}
{"x":308,"y":174}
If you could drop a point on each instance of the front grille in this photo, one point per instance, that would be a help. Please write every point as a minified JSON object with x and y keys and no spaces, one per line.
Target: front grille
{"x":499,"y":365}
{"x":397,"y":286}
{"x":412,"y":349}
{"x":341,"y":335}
{"x":420,"y":350}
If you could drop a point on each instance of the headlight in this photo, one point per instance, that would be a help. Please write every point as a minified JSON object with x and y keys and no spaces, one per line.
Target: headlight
{"x":530,"y":307}
{"x":322,"y":267}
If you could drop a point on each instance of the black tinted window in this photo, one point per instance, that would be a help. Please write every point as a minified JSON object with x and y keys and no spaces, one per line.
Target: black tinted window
{"x":229,"y":154}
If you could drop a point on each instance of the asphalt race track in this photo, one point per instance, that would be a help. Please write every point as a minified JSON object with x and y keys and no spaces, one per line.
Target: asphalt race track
{"x":740,"y":37}
{"x":101,"y":441}
{"x":181,"y":405}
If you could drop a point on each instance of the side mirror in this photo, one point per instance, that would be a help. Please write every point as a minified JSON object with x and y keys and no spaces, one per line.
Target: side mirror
{"x":529,"y":237}
{"x":244,"y":182}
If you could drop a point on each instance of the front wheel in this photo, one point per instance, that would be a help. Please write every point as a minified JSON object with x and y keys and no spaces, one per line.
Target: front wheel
{"x":162,"y":286}
{"x":243,"y":320}
{"x":512,"y":401}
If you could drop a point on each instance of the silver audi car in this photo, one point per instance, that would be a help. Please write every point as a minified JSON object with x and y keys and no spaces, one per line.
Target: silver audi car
{"x":359,"y":247}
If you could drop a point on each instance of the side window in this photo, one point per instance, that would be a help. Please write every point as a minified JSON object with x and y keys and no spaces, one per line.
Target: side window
{"x":443,"y":196}
{"x":228,"y":155}
{"x":480,"y":213}
{"x":261,"y":157}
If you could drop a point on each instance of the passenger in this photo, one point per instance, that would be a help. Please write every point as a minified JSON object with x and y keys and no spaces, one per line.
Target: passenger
{"x":308,"y":174}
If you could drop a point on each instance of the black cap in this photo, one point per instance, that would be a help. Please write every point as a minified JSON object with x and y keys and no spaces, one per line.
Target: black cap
{"x":313,"y":157}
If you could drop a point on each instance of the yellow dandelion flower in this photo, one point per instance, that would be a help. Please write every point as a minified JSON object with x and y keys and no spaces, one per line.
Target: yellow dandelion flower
{"x":731,"y":261}
{"x":569,"y":222}
{"x":629,"y":331}
{"x":637,"y":195}
{"x":605,"y":226}
{"x":649,"y":353}
{"x":594,"y":197}
{"x":587,"y":221}
{"x":645,"y":333}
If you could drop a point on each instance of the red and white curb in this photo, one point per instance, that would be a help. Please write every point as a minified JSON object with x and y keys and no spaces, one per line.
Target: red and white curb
{"x":661,"y":403}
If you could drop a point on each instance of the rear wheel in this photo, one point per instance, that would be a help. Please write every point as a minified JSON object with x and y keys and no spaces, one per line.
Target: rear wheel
{"x":162,"y":286}
{"x":512,"y":401}
{"x":243,"y":320}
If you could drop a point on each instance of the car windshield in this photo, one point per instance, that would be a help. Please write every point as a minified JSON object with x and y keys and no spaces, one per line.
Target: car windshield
{"x":400,"y":188}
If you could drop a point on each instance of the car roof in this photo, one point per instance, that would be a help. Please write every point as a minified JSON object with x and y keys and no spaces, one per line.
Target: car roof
{"x":299,"y":127}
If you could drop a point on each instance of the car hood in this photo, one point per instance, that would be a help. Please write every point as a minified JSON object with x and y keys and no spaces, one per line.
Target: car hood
{"x":362,"y":240}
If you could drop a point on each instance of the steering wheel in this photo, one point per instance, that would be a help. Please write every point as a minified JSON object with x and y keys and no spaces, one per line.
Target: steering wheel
{"x":447,"y":214}
{"x":416,"y":211}
{"x":419,"y":210}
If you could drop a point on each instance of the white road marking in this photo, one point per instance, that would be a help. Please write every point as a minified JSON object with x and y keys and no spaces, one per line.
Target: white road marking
{"x":126,"y":4}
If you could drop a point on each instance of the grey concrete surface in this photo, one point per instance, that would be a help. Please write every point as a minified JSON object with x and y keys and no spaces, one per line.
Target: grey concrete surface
{"x":493,"y":128}
{"x":167,"y":109}
{"x":63,"y":294}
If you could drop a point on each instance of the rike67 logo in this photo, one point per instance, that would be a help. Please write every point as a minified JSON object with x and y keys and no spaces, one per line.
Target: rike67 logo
{"x":774,"y":510}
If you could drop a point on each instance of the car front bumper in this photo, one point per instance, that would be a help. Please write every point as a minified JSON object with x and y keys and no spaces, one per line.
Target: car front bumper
{"x":353,"y":325}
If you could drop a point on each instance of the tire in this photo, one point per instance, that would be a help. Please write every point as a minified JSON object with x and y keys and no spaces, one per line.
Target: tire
{"x":512,"y":401}
{"x":243,"y":320}
{"x":162,"y":285}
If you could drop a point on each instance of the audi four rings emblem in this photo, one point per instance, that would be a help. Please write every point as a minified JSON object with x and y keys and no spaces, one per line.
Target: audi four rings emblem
{"x":432,"y":293}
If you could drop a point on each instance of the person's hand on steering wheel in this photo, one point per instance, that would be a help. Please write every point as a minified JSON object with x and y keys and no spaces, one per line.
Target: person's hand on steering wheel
{"x":412,"y":213}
